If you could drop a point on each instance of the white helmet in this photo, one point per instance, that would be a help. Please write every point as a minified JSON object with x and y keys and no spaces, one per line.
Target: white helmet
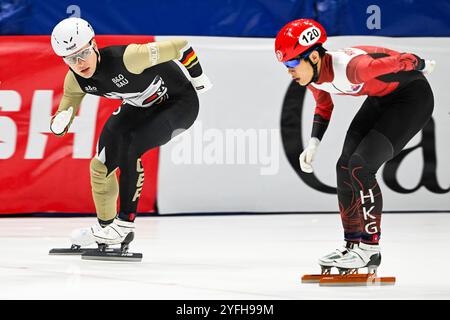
{"x":70,"y":35}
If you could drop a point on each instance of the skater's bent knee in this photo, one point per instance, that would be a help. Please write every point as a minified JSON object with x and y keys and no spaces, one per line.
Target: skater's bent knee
{"x":342,"y":163}
{"x":98,"y":169}
{"x":357,"y":162}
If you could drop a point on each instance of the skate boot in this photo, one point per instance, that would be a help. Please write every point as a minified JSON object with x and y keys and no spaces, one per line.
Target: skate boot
{"x":348,"y":260}
{"x":328,"y":261}
{"x":119,"y":232}
{"x":83,"y":237}
{"x":361,"y":256}
{"x":115,"y":233}
{"x":80,"y":239}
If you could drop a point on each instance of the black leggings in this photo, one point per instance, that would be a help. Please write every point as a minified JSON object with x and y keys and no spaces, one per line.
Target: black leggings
{"x":378,"y":132}
{"x":131,"y":131}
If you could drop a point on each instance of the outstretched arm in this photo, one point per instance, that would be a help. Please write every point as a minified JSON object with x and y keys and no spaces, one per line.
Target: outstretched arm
{"x":363,"y":68}
{"x":138,"y":57}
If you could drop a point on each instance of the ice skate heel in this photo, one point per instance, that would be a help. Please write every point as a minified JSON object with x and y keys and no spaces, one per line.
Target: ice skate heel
{"x":106,"y":254}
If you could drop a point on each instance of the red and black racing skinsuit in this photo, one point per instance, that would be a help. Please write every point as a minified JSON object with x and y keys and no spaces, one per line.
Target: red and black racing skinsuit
{"x":399,"y":104}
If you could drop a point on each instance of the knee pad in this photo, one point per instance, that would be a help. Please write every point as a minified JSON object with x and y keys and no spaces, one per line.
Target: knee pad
{"x":105,"y":190}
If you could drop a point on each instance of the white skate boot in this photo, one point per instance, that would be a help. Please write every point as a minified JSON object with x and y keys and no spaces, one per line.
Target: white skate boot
{"x":361,"y":256}
{"x":117,"y":232}
{"x":80,"y":239}
{"x":348,"y":260}
{"x":84,"y":236}
{"x":328,"y":261}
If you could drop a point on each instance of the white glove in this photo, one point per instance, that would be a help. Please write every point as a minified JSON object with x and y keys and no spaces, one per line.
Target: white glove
{"x":307,"y":156}
{"x":429,"y":67}
{"x":201,"y":83}
{"x":61,"y":121}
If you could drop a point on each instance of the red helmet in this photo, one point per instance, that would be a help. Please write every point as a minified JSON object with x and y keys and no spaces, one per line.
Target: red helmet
{"x":297,"y":37}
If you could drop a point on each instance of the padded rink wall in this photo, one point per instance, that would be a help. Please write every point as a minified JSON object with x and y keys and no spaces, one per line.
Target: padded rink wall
{"x":39,"y":172}
{"x":242,"y":153}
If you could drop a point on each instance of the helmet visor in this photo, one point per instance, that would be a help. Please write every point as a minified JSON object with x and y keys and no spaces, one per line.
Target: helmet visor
{"x":296,"y":61}
{"x":292,"y":63}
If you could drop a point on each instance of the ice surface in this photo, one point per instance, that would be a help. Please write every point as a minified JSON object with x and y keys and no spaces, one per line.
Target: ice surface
{"x":221,"y":257}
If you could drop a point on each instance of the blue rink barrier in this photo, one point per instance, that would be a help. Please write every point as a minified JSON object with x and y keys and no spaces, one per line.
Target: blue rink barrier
{"x":237,"y":18}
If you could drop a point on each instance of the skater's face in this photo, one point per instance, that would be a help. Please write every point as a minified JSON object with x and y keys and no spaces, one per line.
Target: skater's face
{"x":84,"y":61}
{"x":304,"y":72}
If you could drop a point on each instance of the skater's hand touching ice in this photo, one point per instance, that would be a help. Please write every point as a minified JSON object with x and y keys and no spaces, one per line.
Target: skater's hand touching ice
{"x":60,"y":122}
{"x":307,"y":156}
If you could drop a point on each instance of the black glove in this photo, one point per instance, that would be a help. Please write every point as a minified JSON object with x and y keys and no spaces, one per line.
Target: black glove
{"x":420,"y":63}
{"x":411,"y":62}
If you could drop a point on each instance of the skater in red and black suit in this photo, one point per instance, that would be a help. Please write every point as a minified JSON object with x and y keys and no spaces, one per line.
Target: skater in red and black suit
{"x":399,"y":104}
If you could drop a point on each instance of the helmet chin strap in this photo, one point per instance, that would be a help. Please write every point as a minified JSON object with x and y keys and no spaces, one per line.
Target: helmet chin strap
{"x":96,"y":52}
{"x":315,"y":76}
{"x":98,"y":58}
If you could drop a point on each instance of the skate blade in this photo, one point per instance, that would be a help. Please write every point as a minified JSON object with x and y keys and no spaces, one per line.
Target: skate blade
{"x":74,"y":252}
{"x":356,"y":280}
{"x":112,"y":256}
{"x":315,"y":278}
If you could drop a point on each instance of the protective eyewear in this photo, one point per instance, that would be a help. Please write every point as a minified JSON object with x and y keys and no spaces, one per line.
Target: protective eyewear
{"x":296,"y":61}
{"x":83,"y":54}
{"x":292,"y":63}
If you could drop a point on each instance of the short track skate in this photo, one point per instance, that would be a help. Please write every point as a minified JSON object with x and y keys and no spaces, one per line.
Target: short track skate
{"x":102,"y":252}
